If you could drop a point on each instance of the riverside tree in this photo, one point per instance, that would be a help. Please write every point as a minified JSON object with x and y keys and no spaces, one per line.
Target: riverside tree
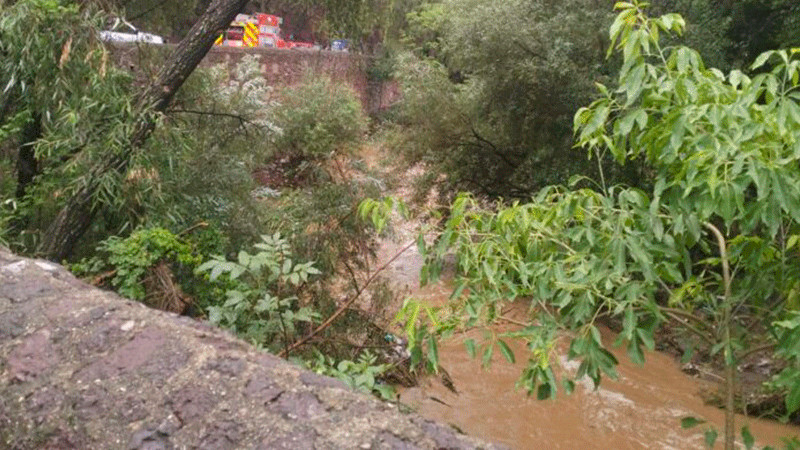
{"x":711,"y":248}
{"x":507,"y":77}
{"x":127,"y":122}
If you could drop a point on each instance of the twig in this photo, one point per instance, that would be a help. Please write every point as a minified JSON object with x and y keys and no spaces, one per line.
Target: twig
{"x":193,"y":227}
{"x":730,"y":364}
{"x":346,"y":304}
{"x":514,"y":321}
{"x":681,"y":320}
{"x":683,"y":314}
{"x":754,"y":350}
{"x":146,"y":11}
{"x":99,"y":279}
{"x":283,"y":326}
{"x":352,"y":275}
{"x":242,"y":120}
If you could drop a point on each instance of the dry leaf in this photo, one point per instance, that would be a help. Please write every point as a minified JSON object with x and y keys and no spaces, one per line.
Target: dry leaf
{"x":65,"y":53}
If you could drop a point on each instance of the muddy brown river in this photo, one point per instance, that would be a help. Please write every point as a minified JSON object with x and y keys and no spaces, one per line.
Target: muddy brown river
{"x":641,"y":409}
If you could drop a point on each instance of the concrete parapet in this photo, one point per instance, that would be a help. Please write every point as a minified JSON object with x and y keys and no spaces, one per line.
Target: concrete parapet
{"x":84,"y":368}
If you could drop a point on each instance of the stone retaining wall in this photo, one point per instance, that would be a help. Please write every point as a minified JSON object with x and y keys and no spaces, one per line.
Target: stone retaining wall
{"x":84,"y":368}
{"x":280,"y":67}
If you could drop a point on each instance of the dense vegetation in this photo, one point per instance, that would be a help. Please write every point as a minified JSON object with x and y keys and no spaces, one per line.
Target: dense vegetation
{"x":506,"y":78}
{"x":679,"y":209}
{"x":187,"y":196}
{"x":704,"y":241}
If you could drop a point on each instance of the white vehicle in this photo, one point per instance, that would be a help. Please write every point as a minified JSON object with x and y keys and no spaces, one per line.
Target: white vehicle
{"x":132,"y":34}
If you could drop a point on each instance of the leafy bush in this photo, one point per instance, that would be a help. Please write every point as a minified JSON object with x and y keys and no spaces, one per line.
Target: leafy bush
{"x":152,"y":265}
{"x":321,"y":223}
{"x":132,"y":256}
{"x":262,"y":305}
{"x":312,"y":164}
{"x":423,"y":34}
{"x":217,"y":133}
{"x":363,"y":374}
{"x":318,"y":119}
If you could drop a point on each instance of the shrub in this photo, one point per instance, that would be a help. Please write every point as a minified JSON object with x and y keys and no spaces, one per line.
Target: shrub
{"x":149,"y":265}
{"x":364,"y":374}
{"x":262,"y":305}
{"x":318,"y":119}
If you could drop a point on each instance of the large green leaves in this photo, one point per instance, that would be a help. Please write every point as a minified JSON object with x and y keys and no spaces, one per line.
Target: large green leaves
{"x":721,"y":149}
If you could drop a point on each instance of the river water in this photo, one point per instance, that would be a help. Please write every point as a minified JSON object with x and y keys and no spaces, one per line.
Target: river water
{"x":641,"y":409}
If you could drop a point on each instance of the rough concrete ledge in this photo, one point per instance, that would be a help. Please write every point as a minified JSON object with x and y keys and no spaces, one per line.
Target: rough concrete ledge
{"x":84,"y":368}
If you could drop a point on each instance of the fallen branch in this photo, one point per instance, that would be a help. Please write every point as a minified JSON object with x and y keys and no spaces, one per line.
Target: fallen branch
{"x":345,"y":305}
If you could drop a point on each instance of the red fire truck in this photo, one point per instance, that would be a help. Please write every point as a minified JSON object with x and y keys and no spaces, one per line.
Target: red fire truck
{"x":258,"y":30}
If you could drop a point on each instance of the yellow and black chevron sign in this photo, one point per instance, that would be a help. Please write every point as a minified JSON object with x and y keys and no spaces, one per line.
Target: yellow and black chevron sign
{"x":250,"y":38}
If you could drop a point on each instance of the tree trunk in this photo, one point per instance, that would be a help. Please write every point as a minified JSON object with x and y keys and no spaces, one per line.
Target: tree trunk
{"x":77,"y":215}
{"x":27,"y":165}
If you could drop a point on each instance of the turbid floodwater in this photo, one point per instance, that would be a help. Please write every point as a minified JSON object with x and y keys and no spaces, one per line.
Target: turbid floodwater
{"x":641,"y":409}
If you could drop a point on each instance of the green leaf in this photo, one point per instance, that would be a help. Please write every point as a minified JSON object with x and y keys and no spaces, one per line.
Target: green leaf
{"x":236,"y":271}
{"x":487,"y":355}
{"x":421,"y":245}
{"x":691,"y":422}
{"x":793,"y":398}
{"x":386,"y":391}
{"x":458,"y":290}
{"x":244,"y":258}
{"x":628,"y":323}
{"x":710,"y":436}
{"x":647,"y":338}
{"x":634,"y":84}
{"x":687,"y":354}
{"x":506,"y":351}
{"x":626,"y":123}
{"x":214,"y":315}
{"x":287,"y":266}
{"x":470,"y":344}
{"x":635,"y":352}
{"x":747,"y":438}
{"x":762,"y":58}
{"x":595,"y":333}
{"x":544,"y":391}
{"x":433,"y":353}
{"x":234,"y":298}
{"x":216,"y":271}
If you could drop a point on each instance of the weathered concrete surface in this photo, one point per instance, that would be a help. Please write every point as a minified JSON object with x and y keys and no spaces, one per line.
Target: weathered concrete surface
{"x":83,"y":368}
